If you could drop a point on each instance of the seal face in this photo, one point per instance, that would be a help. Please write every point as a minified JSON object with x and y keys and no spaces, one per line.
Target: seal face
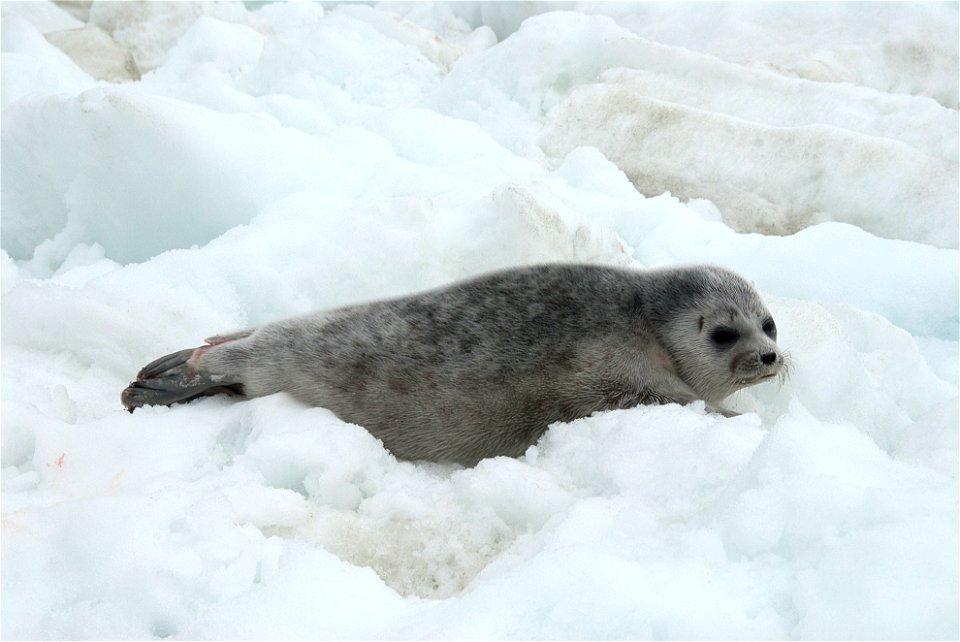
{"x":482,"y":367}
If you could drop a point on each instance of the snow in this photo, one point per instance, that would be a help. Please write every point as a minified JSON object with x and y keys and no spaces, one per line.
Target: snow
{"x":278,"y":159}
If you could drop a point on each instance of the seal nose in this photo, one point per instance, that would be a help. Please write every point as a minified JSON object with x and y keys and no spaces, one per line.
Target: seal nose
{"x":768,"y":357}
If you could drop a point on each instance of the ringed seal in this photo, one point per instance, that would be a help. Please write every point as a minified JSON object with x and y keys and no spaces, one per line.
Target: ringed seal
{"x":481,"y":367}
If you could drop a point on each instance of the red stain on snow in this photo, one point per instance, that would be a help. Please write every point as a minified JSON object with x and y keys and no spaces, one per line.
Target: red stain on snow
{"x":59,"y":461}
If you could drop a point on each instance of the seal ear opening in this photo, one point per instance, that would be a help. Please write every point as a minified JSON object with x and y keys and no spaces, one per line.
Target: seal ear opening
{"x":701,"y":324}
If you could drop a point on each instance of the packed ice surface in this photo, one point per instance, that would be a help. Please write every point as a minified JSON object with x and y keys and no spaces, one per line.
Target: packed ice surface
{"x":279,"y":159}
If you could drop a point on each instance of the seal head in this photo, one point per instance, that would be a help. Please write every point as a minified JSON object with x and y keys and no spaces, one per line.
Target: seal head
{"x":716,"y":327}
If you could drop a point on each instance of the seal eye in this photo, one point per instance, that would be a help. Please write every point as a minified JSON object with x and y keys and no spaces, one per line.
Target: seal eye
{"x":724,"y":336}
{"x":770,"y":329}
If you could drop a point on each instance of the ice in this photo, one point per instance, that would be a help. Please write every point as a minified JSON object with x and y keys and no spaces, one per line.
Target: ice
{"x":787,"y":131}
{"x":148,"y":30}
{"x":31,"y":65}
{"x":785,"y":178}
{"x":46,"y":17}
{"x":97,"y":54}
{"x":278,"y":159}
{"x":887,"y":46}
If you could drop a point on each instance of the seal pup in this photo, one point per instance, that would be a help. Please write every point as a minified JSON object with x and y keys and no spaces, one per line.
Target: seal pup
{"x":481,"y":367}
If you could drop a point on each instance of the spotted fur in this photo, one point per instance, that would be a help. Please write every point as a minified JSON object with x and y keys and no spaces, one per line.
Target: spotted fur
{"x":482,"y":367}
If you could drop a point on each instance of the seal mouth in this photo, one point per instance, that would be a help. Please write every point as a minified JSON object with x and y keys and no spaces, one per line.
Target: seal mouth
{"x":749,"y":381}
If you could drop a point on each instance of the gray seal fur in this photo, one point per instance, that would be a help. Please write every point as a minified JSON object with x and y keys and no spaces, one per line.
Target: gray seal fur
{"x":482,"y":367}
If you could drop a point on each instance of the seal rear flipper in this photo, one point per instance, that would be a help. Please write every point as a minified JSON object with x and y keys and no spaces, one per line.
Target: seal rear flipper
{"x":170,"y":379}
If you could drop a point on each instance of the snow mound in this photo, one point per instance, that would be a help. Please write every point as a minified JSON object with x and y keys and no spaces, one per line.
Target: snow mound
{"x":891,"y":47}
{"x":31,"y":65}
{"x":786,"y":178}
{"x":897,"y":49}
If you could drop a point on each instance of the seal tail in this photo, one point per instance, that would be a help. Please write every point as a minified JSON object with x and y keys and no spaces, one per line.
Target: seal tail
{"x":171,"y":379}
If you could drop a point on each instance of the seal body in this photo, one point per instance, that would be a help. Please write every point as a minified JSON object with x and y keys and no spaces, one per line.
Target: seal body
{"x":482,"y":367}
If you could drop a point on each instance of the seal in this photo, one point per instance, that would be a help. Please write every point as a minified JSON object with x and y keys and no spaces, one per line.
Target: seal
{"x":482,"y":367}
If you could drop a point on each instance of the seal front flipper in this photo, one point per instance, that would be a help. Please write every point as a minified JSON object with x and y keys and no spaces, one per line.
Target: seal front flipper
{"x":171,"y":379}
{"x":720,"y":410}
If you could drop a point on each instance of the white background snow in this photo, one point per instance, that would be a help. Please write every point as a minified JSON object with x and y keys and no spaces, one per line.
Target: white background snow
{"x":190,"y":169}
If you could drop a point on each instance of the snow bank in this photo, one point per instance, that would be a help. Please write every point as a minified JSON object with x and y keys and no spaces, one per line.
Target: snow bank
{"x":149,"y":29}
{"x":245,"y":520}
{"x":885,"y":170}
{"x":293,"y":158}
{"x":785,"y":178}
{"x":31,"y":65}
{"x":887,"y":46}
{"x":97,"y":54}
{"x":46,"y":17}
{"x":891,"y":47}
